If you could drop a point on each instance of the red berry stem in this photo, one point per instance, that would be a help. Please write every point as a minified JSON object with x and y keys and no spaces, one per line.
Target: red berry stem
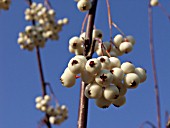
{"x":83,"y":103}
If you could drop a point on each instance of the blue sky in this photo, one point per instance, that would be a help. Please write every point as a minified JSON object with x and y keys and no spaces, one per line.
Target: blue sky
{"x":19,"y":76}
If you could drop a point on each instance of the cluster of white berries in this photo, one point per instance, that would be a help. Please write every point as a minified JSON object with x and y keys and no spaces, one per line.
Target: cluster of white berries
{"x":46,"y":27}
{"x":154,"y":2}
{"x":122,"y":45}
{"x":84,"y":5}
{"x":4,"y":4}
{"x":57,"y":114}
{"x":106,"y":77}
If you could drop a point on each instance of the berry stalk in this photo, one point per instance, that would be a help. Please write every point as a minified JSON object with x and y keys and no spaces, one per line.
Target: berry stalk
{"x":154,"y":67}
{"x":89,"y":45}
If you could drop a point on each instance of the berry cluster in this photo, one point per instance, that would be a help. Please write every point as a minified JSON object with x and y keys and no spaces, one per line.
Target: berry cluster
{"x":106,"y":77}
{"x":45,"y":28}
{"x":4,"y":4}
{"x":119,"y":46}
{"x":57,"y":114}
{"x":84,"y":5}
{"x":154,"y":2}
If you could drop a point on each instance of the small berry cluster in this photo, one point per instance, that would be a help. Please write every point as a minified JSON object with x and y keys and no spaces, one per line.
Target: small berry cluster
{"x":154,"y":2}
{"x":83,"y":5}
{"x":4,"y":4}
{"x":57,"y":115}
{"x":76,"y":44}
{"x":106,"y":77}
{"x":45,"y":28}
{"x":121,"y":45}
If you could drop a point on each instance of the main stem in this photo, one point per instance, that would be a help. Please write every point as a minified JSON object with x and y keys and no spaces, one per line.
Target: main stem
{"x":154,"y":67}
{"x":83,"y":104}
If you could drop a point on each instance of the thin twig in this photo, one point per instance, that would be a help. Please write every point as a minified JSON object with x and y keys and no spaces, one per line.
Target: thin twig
{"x":164,"y":10}
{"x":83,"y":24}
{"x":48,"y":4}
{"x":53,"y":94}
{"x":154,"y":66}
{"x":118,"y":29}
{"x":109,"y":18}
{"x":83,"y":104}
{"x":149,"y":123}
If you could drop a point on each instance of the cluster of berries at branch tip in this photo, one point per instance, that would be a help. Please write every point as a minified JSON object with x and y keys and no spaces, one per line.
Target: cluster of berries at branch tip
{"x":4,"y":4}
{"x":154,"y":2}
{"x":84,"y":5}
{"x":119,"y":46}
{"x":107,"y":79}
{"x":57,"y":114}
{"x":45,"y":27}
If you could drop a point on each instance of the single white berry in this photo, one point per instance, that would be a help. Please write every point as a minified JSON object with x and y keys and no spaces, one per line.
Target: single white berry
{"x":52,"y":119}
{"x":131,"y":80}
{"x":93,"y":91}
{"x":43,"y":108}
{"x":104,"y":78}
{"x":122,"y":88}
{"x":93,"y":66}
{"x":118,"y":75}
{"x":38,"y":99}
{"x":154,"y":2}
{"x":127,"y":67}
{"x":126,"y":47}
{"x":87,"y":77}
{"x":84,"y":5}
{"x":75,"y":42}
{"x":131,"y":39}
{"x":141,"y":73}
{"x":114,"y":62}
{"x":68,"y":79}
{"x":111,"y":93}
{"x":102,"y":102}
{"x":118,"y":40}
{"x":119,"y":102}
{"x":105,"y":61}
{"x":38,"y":106}
{"x":47,"y":98}
{"x":83,"y":36}
{"x":97,"y":34}
{"x":71,"y":49}
{"x":76,"y":65}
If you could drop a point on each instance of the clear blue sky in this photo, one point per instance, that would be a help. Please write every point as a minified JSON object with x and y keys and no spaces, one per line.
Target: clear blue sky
{"x":19,"y":76}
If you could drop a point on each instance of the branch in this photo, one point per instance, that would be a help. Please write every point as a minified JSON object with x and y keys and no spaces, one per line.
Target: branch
{"x":43,"y":86}
{"x":83,"y":104}
{"x":154,"y":66}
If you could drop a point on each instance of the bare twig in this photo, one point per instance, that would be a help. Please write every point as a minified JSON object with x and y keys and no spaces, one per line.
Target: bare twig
{"x":109,"y":18}
{"x":148,"y":123}
{"x":53,"y":94}
{"x":48,"y":4}
{"x":154,"y":67}
{"x":164,"y":10}
{"x":43,"y":86}
{"x":83,"y":104}
{"x":118,"y":29}
{"x":83,"y":24}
